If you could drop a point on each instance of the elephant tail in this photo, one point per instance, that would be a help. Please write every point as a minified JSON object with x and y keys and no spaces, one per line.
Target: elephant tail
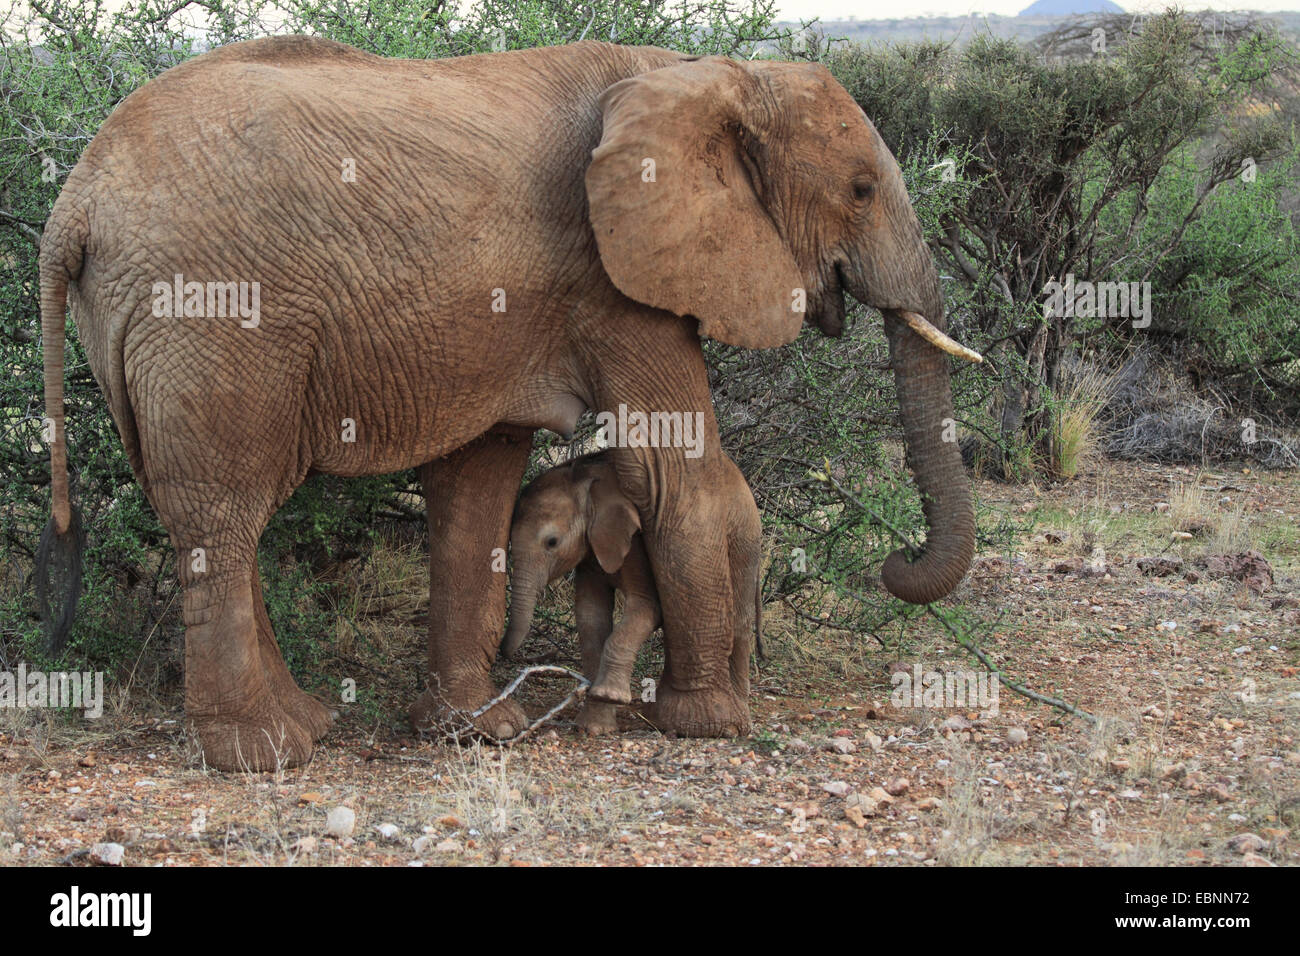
{"x":59,"y":553}
{"x":758,"y":617}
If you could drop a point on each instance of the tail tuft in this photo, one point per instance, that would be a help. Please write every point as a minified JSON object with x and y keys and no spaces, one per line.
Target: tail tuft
{"x":61,"y":555}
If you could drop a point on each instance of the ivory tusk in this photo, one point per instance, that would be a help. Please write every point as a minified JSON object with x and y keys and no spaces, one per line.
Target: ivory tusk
{"x":922,"y":327}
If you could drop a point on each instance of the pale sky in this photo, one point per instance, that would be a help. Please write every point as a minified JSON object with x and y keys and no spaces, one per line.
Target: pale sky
{"x":894,"y":10}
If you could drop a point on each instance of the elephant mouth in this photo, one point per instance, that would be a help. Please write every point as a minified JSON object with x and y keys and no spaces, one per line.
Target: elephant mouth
{"x":829,"y":315}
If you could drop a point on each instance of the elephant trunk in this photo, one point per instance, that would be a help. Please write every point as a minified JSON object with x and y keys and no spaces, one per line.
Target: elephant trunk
{"x":525,"y":591}
{"x":921,"y":376}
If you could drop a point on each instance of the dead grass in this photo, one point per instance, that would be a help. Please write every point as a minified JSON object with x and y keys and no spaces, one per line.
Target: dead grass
{"x":1076,"y":426}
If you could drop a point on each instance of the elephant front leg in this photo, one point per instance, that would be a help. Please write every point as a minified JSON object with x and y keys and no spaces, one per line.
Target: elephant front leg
{"x":699,"y":694}
{"x":685,"y":530}
{"x":593,"y":601}
{"x":469,"y":496}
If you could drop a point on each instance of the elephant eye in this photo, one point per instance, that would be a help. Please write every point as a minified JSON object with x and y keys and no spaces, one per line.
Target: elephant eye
{"x":552,"y":542}
{"x":863,"y":191}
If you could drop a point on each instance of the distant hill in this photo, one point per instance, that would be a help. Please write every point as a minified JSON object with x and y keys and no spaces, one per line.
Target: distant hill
{"x":1024,"y":28}
{"x":1065,"y":8}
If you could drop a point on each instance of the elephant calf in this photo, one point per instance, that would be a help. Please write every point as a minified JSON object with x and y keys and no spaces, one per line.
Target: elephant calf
{"x":576,"y":516}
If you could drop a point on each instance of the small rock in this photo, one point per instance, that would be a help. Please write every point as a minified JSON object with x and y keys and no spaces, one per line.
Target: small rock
{"x":108,"y":854}
{"x":1159,"y":567}
{"x":1254,"y":859}
{"x":421,"y":844}
{"x":1247,"y":843}
{"x":897,"y":787}
{"x":307,"y":846}
{"x":340,"y":822}
{"x":836,"y":788}
{"x":929,"y":803}
{"x":863,"y":804}
{"x":448,"y":846}
{"x":1017,"y":736}
{"x":388,"y":831}
{"x":843,"y":745}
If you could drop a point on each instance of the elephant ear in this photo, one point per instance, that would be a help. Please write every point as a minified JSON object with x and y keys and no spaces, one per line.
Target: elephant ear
{"x":673,"y":190}
{"x":611,"y":523}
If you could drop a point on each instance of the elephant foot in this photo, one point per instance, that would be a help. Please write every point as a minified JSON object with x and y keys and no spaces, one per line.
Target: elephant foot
{"x":608,"y":689}
{"x":597,"y":719}
{"x":263,"y":739}
{"x":711,"y":712}
{"x":433,"y":714}
{"x":306,"y":711}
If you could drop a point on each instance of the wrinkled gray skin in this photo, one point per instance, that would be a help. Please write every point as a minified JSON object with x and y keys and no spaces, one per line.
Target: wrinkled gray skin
{"x":502,"y":260}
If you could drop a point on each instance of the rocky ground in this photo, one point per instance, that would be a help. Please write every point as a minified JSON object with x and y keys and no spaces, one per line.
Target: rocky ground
{"x":1163,"y":601}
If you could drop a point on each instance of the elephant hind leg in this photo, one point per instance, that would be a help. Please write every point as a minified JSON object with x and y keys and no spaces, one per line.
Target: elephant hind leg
{"x":231,"y":675}
{"x":236,"y":715}
{"x":308,"y":712}
{"x":469,"y":495}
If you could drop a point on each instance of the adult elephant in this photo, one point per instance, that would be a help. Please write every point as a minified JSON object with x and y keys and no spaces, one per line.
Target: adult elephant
{"x":436,"y":259}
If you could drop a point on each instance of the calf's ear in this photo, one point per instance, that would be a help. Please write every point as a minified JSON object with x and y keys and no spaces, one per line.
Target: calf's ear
{"x":611,"y":523}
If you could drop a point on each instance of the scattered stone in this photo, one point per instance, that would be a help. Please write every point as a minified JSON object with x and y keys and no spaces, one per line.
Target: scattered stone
{"x":340,"y":822}
{"x":843,"y":745}
{"x":1017,"y":736}
{"x":1249,"y":567}
{"x":954,"y":724}
{"x":388,"y":831}
{"x":837,"y":788}
{"x":929,"y":803}
{"x":448,"y":846}
{"x":897,"y":787}
{"x":307,"y":846}
{"x":1254,"y":859}
{"x":1159,"y":566}
{"x":862,"y":803}
{"x":1247,"y":843}
{"x":108,"y":854}
{"x":421,"y":845}
{"x":873,"y":741}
